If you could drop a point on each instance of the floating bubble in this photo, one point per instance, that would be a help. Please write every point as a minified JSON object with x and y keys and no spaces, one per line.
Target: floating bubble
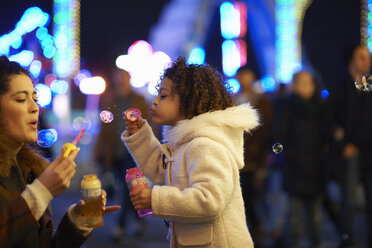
{"x":277,"y":148}
{"x":46,"y":137}
{"x":345,"y":236}
{"x":80,"y":122}
{"x":364,"y":83}
{"x":106,"y":116}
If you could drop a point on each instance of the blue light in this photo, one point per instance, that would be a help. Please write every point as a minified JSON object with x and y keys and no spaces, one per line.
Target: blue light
{"x":234,"y":84}
{"x":197,"y":56}
{"x":324,"y":94}
{"x":268,"y":83}
{"x":24,"y":58}
{"x":17,"y":43}
{"x":230,"y":21}
{"x":84,"y":73}
{"x":49,"y":51}
{"x":41,"y":33}
{"x":230,"y":58}
{"x":287,"y":47}
{"x":47,"y":41}
{"x":4,"y":45}
{"x":31,"y":19}
{"x":59,"y":87}
{"x":35,"y":68}
{"x":44,"y":95}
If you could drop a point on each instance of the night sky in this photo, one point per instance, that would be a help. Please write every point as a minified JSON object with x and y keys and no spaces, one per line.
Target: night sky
{"x":108,"y":28}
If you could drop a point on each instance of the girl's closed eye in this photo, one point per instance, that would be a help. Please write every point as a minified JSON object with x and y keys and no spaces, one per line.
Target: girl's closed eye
{"x":163,"y":96}
{"x":21,"y":100}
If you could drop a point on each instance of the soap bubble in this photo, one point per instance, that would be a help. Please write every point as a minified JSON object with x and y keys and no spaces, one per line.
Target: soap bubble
{"x":364,"y":83}
{"x":277,"y":148}
{"x":106,"y":116}
{"x":46,"y":137}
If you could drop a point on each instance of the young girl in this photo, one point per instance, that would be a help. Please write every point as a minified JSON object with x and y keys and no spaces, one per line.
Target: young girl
{"x":197,"y":167}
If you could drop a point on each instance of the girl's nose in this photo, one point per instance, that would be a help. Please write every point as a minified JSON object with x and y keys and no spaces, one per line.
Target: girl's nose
{"x":156,"y":101}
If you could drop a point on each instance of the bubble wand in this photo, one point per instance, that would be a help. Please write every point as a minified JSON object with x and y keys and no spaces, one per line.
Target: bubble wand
{"x":69,"y":147}
{"x":132,"y":114}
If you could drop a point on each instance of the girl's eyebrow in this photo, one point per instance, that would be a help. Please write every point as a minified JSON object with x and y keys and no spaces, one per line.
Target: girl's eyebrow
{"x":162,"y":89}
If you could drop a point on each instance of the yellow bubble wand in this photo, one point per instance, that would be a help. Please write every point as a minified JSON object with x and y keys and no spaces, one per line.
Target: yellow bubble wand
{"x":69,"y":147}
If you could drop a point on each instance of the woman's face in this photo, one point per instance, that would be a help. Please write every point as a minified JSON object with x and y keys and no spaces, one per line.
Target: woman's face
{"x":19,"y":111}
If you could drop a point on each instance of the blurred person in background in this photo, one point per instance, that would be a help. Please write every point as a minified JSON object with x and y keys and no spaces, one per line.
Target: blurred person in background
{"x":256,"y":147}
{"x":110,"y":152}
{"x":28,"y":182}
{"x":351,"y":143}
{"x":302,"y":136}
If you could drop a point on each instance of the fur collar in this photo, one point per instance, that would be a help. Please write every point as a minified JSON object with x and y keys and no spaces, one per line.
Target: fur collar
{"x":28,"y":160}
{"x":224,"y":126}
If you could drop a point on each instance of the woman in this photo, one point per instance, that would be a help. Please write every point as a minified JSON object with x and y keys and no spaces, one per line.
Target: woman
{"x":27,"y":182}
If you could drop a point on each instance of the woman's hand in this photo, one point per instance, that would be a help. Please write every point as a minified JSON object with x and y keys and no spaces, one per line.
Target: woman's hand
{"x":141,"y":198}
{"x":57,"y":176}
{"x":79,"y":207}
{"x":133,"y":127}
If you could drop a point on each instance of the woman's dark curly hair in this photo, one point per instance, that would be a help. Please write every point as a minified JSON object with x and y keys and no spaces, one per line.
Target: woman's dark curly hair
{"x":201,"y":88}
{"x":7,"y":69}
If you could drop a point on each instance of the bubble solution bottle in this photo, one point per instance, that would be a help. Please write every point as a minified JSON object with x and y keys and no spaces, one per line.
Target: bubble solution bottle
{"x":135,"y":179}
{"x":91,"y":194}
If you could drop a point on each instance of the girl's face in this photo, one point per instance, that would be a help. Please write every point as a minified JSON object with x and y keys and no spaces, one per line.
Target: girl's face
{"x":165,"y":107}
{"x":19,"y":111}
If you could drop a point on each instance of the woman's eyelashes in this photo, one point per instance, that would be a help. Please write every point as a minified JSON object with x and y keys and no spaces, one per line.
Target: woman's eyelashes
{"x":24,"y":100}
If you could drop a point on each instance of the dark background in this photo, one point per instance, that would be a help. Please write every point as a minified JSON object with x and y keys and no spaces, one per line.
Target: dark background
{"x":109,"y":27}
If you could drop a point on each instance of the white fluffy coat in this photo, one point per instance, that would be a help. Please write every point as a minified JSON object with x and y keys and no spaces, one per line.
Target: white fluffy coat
{"x":199,"y":189}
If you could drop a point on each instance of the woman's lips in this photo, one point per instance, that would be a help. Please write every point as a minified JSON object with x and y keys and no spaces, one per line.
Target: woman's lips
{"x":33,"y":124}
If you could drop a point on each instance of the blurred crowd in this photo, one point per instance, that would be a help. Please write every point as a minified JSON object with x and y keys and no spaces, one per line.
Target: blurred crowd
{"x":326,"y":139}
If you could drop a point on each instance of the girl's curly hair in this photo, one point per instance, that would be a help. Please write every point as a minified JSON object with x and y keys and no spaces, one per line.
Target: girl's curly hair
{"x":201,"y":88}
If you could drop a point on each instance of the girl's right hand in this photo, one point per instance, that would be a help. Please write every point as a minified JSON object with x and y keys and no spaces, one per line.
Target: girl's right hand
{"x":133,"y":127}
{"x":57,"y":176}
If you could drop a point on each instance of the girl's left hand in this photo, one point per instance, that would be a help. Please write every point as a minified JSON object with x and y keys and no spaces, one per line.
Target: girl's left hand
{"x":141,"y":198}
{"x":78,"y":209}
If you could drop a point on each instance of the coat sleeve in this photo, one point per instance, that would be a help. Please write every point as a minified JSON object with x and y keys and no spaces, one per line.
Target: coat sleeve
{"x":210,"y":185}
{"x":16,"y":221}
{"x":146,"y":152}
{"x":67,"y":235}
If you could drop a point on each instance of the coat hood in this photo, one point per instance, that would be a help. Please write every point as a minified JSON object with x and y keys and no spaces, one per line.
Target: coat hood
{"x":224,"y":126}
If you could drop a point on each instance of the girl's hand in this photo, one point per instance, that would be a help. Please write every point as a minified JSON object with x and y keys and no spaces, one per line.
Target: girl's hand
{"x":79,"y":209}
{"x":133,"y":127}
{"x":141,"y":198}
{"x":57,"y":176}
